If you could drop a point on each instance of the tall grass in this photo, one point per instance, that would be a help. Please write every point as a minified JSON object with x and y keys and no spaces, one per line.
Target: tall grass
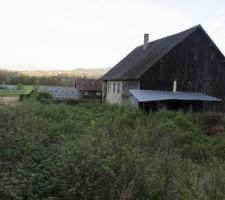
{"x":98,"y":151}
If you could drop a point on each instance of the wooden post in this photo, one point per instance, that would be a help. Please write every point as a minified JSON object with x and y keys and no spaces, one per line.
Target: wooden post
{"x":214,"y":106}
{"x":144,"y":106}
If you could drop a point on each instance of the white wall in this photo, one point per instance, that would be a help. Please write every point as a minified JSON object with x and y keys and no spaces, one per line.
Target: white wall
{"x":114,"y":92}
{"x":122,"y":96}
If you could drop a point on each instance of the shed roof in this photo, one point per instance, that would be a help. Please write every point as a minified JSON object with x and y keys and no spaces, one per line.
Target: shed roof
{"x":139,"y":60}
{"x":61,"y":92}
{"x":155,"y":95}
{"x":9,"y":87}
{"x":88,"y":84}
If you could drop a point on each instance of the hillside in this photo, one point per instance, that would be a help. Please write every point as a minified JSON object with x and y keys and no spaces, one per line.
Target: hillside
{"x":78,"y":72}
{"x":95,"y":151}
{"x":55,"y":77}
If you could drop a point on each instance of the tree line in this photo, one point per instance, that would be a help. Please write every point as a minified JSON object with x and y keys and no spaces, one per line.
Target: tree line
{"x":15,"y":78}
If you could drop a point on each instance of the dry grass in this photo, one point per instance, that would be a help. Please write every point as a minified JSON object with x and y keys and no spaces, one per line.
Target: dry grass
{"x":8,"y":101}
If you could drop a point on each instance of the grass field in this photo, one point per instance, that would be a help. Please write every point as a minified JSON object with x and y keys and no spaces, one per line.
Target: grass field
{"x":98,"y":151}
{"x":9,"y":93}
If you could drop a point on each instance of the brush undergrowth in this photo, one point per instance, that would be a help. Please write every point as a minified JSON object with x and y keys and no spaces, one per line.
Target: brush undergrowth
{"x":98,"y":151}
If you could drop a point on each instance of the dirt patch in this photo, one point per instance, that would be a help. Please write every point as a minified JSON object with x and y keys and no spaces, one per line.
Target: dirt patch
{"x":8,"y":101}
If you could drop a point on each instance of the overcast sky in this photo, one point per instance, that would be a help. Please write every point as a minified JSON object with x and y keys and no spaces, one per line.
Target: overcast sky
{"x":65,"y":34}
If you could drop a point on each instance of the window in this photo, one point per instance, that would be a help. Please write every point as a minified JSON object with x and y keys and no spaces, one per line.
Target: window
{"x":108,"y":87}
{"x":114,"y":87}
{"x":118,"y":88}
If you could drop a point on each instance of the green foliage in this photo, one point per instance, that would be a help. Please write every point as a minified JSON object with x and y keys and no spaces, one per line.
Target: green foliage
{"x":23,"y":91}
{"x":19,"y":86}
{"x":15,"y":78}
{"x":98,"y":151}
{"x":43,"y":96}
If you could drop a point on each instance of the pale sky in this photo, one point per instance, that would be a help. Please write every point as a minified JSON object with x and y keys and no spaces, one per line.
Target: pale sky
{"x":65,"y":34}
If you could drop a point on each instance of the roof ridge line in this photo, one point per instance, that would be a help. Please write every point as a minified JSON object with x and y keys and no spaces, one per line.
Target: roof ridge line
{"x":194,"y":29}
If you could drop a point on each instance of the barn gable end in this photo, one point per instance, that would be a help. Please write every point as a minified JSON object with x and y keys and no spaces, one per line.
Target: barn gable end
{"x":195,"y":64}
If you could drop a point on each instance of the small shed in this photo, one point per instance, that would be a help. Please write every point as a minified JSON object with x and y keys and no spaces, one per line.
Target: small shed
{"x":61,"y":92}
{"x":89,"y":87}
{"x":8,"y":87}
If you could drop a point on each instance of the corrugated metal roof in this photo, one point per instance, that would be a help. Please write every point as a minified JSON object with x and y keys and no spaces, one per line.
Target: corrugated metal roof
{"x":60,"y":92}
{"x":8,"y":87}
{"x":154,"y":95}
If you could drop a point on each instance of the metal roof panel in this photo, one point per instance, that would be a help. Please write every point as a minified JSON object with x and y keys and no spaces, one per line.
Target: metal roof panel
{"x":61,"y":92}
{"x":156,"y":95}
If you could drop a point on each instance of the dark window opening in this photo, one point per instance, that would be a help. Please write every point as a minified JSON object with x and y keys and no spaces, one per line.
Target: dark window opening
{"x":118,"y":88}
{"x":114,"y":87}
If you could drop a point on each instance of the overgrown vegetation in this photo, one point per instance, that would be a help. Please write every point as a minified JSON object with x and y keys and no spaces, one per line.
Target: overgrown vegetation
{"x":23,"y":90}
{"x":95,"y":151}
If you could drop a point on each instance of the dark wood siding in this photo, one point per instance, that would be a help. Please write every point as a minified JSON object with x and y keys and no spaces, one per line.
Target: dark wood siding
{"x":127,"y":85}
{"x":195,"y":64}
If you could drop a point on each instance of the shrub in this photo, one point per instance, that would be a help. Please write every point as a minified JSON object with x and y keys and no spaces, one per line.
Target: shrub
{"x":43,"y":96}
{"x":213,"y":123}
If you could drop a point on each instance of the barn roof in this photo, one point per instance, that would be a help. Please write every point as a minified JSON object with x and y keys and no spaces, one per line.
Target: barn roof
{"x":88,"y":84}
{"x":155,"y":95}
{"x":139,"y":60}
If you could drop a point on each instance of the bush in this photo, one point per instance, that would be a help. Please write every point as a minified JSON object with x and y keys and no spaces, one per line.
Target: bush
{"x":213,"y":123}
{"x":43,"y":96}
{"x":29,"y":95}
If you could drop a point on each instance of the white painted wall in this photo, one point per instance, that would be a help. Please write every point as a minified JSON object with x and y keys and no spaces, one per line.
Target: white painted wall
{"x":114,"y":92}
{"x":121,"y":95}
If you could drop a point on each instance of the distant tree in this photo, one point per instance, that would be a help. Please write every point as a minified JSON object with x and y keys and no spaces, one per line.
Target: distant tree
{"x":20,"y":86}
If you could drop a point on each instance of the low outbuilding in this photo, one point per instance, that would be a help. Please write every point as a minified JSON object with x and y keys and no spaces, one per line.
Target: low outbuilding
{"x":89,"y":87}
{"x":61,"y":92}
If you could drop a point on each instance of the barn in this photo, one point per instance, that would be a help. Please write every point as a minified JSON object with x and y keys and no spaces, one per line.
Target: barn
{"x":182,"y":71}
